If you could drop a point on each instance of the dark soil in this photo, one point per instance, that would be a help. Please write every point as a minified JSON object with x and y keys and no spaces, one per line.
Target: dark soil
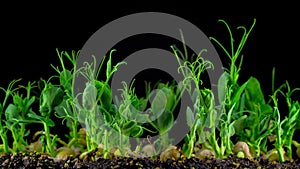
{"x":40,"y":161}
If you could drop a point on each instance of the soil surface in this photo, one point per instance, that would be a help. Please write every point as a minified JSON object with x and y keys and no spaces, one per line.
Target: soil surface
{"x":36,"y":161}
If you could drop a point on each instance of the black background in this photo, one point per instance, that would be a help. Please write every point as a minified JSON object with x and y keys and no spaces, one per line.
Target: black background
{"x":30,"y":34}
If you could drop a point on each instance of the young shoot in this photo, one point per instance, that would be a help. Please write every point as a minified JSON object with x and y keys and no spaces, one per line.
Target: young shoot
{"x":50,"y":97}
{"x":96,"y":111}
{"x":67,"y":109}
{"x":285,"y":127}
{"x":255,"y":123}
{"x":234,"y":54}
{"x":3,"y":130}
{"x":247,"y":97}
{"x":17,"y":118}
{"x":192,"y":71}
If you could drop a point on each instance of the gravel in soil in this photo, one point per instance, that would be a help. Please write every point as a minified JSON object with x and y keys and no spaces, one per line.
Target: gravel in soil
{"x":40,"y":161}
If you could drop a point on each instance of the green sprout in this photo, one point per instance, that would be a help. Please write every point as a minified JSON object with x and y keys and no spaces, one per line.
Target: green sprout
{"x":229,"y":80}
{"x":192,"y":71}
{"x":234,"y":54}
{"x":254,"y":126}
{"x":236,"y":99}
{"x":229,"y":93}
{"x":16,"y":113}
{"x":162,"y":107}
{"x":286,"y":127}
{"x":51,"y":97}
{"x":96,"y":112}
{"x":3,"y":130}
{"x":129,"y":117}
{"x":67,"y":109}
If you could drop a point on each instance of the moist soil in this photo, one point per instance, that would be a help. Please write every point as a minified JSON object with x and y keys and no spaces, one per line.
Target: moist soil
{"x":36,"y":160}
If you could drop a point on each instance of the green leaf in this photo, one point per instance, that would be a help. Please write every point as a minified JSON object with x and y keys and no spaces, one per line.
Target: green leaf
{"x":198,"y":123}
{"x":58,"y":94}
{"x":240,"y":124}
{"x":12,"y":112}
{"x":227,"y":131}
{"x":190,"y":117}
{"x":195,"y":96}
{"x":104,"y":94}
{"x":63,"y":109}
{"x":165,"y":122}
{"x":142,"y":104}
{"x":295,"y":115}
{"x":213,"y":116}
{"x":82,"y":114}
{"x":89,"y":97}
{"x":134,"y":101}
{"x":222,"y":87}
{"x":251,"y":121}
{"x":241,"y":106}
{"x":49,"y":122}
{"x":171,"y":98}
{"x":296,"y":110}
{"x":263,"y":135}
{"x":65,"y":79}
{"x":139,"y":103}
{"x":231,"y":130}
{"x":141,"y":117}
{"x":248,"y":133}
{"x":29,"y":103}
{"x":51,"y":96}
{"x":265,"y":123}
{"x":37,"y":117}
{"x":237,"y":96}
{"x":254,"y":94}
{"x":107,"y":116}
{"x":108,"y":67}
{"x":266,"y":109}
{"x":158,"y":105}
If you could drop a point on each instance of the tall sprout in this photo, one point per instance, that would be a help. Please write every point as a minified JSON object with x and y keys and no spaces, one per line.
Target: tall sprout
{"x":3,"y":130}
{"x":192,"y":72}
{"x":95,"y":112}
